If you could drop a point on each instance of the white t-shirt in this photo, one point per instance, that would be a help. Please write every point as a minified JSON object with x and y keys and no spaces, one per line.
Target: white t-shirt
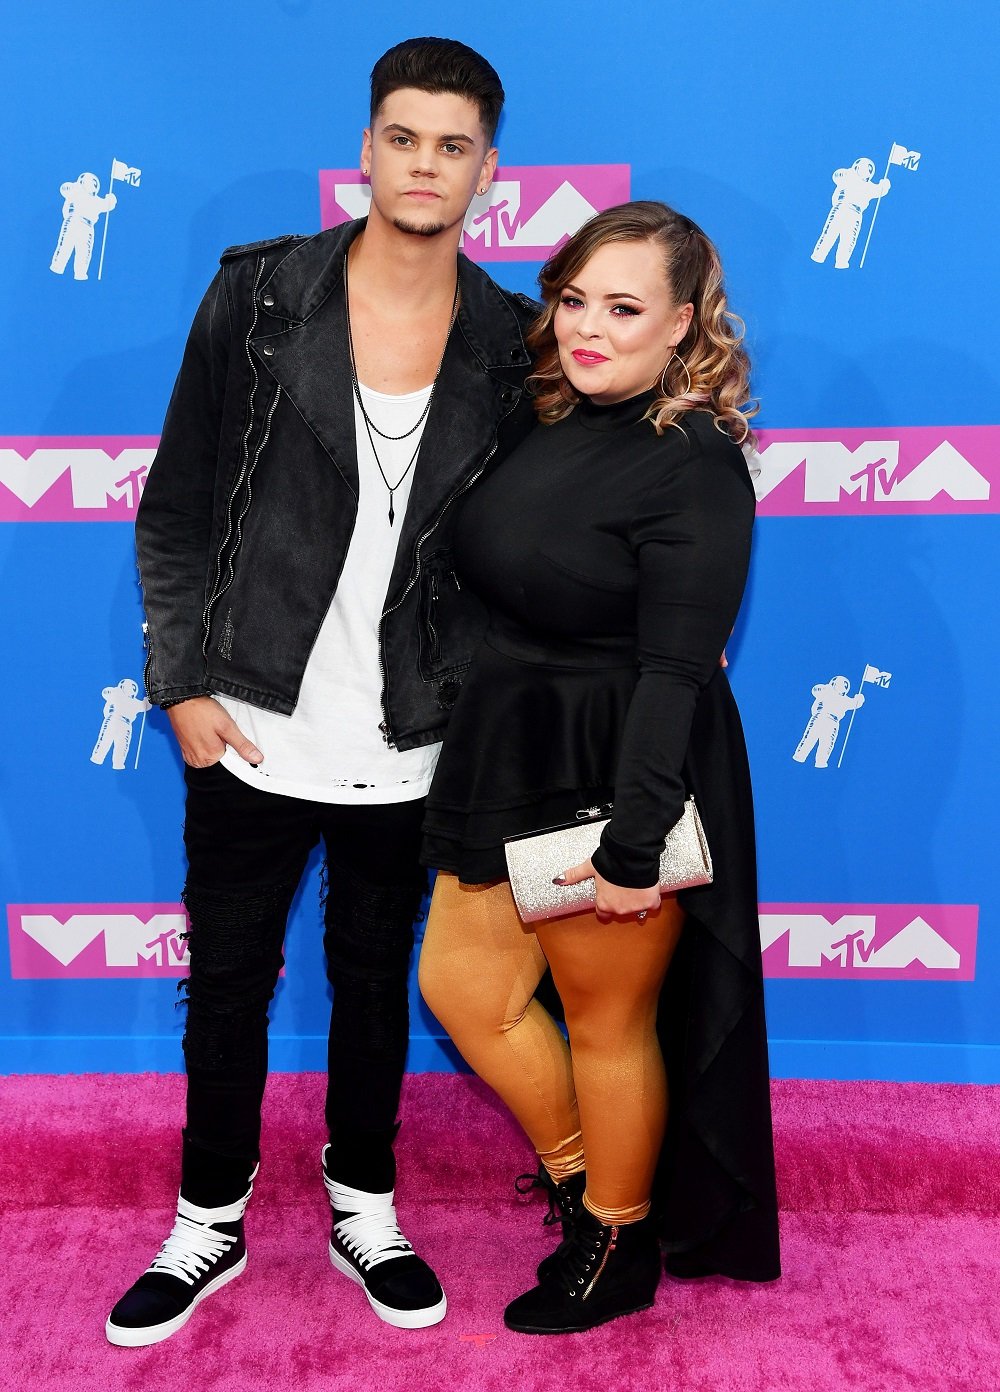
{"x":330,"y":749}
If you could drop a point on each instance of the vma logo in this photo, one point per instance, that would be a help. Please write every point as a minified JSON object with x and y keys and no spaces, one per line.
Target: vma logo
{"x":865,"y":942}
{"x":96,"y":940}
{"x":524,"y":215}
{"x":70,"y":478}
{"x":872,"y":473}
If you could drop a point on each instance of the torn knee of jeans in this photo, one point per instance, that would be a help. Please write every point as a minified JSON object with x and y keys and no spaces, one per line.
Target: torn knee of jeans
{"x":227,"y":927}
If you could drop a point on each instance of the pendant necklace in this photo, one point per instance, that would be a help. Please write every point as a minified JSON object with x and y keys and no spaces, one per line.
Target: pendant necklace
{"x":370,"y":425}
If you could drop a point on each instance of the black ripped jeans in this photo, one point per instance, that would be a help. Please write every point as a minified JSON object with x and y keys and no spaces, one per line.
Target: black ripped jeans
{"x":246,"y":852}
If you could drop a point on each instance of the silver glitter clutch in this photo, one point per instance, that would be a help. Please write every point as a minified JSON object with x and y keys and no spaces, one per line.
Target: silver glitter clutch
{"x":536,"y":857}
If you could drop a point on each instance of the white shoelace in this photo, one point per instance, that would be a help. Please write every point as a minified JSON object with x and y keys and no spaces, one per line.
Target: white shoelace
{"x":194,"y":1246}
{"x":370,"y":1233}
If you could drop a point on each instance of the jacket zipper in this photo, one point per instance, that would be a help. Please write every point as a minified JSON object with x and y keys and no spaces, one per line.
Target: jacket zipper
{"x":147,"y":665}
{"x":431,"y":630}
{"x":218,"y":588}
{"x":265,"y":436}
{"x":384,"y":727}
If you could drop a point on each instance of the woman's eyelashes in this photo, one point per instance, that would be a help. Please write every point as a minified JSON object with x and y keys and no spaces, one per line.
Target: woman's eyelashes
{"x":619,"y":311}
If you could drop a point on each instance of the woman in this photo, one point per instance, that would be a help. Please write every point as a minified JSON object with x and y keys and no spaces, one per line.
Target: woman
{"x":611,"y":549}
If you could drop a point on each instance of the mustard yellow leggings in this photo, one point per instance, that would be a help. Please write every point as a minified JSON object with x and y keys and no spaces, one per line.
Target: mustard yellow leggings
{"x":600,"y":1104}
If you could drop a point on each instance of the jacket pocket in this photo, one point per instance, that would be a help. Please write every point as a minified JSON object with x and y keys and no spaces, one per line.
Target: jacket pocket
{"x":452,"y":621}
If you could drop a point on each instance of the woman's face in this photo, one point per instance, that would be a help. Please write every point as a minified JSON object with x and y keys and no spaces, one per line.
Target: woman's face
{"x":616,"y":323}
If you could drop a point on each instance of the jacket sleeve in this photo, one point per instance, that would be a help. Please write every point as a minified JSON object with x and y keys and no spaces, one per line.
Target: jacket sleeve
{"x":691,"y":535}
{"x":174,"y":520}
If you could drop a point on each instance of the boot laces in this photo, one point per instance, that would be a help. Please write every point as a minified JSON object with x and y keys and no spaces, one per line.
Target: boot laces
{"x":527,"y":1183}
{"x":583,"y":1260}
{"x":558,"y":1196}
{"x":191,"y":1248}
{"x":371,"y":1233}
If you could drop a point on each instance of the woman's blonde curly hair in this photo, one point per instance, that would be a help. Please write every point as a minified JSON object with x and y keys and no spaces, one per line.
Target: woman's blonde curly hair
{"x":710,"y":369}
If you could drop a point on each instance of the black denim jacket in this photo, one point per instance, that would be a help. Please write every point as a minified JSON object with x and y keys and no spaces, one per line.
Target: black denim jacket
{"x":251,"y":501}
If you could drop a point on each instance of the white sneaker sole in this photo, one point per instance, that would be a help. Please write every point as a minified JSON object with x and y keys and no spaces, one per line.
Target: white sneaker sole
{"x":400,"y":1319}
{"x":125,"y":1337}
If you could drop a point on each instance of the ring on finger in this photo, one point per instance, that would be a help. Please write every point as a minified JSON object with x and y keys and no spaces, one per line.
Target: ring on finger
{"x":642,"y":915}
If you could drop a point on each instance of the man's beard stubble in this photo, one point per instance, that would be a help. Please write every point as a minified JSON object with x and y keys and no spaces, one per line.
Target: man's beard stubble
{"x":432,"y":229}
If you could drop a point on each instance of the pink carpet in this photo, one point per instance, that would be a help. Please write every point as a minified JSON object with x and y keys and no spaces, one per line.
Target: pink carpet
{"x":890,"y":1196}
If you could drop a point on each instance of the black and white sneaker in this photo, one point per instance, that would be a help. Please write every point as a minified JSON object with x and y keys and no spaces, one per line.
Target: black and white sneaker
{"x":367,"y":1245}
{"x":205,"y":1250}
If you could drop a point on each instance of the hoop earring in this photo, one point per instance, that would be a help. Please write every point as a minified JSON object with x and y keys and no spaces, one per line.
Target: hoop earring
{"x":663,"y":385}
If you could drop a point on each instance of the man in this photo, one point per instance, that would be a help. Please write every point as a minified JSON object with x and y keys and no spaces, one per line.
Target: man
{"x":307,"y":636}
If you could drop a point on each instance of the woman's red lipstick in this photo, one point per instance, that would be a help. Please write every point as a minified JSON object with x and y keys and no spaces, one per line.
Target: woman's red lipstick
{"x":587,"y":358}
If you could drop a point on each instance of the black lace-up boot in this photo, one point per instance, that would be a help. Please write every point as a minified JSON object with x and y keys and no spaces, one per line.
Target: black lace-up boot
{"x":565,"y":1201}
{"x":605,"y":1271}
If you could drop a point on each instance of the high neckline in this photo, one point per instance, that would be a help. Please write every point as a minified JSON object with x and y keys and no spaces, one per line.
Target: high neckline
{"x":617,"y":416}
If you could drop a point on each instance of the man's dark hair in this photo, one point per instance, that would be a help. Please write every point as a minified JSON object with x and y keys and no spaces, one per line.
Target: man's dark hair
{"x":440,"y":65}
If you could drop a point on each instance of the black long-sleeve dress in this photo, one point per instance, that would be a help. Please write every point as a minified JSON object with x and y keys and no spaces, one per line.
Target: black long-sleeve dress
{"x":612,"y":561}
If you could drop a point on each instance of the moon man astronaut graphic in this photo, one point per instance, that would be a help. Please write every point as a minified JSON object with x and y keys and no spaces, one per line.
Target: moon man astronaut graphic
{"x":830,"y":704}
{"x":122,"y":703}
{"x":855,"y":189}
{"x":83,"y":204}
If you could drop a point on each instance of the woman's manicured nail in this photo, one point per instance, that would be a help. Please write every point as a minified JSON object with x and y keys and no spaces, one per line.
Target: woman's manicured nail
{"x":559,"y":880}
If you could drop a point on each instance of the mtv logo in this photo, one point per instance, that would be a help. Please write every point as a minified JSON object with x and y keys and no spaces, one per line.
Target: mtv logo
{"x":526,"y":213}
{"x":66,"y":478}
{"x":59,"y":941}
{"x":917,"y":469}
{"x":886,"y":942}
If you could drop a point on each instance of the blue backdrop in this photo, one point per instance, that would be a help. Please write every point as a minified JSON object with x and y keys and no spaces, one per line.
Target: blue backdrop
{"x":880,"y":887}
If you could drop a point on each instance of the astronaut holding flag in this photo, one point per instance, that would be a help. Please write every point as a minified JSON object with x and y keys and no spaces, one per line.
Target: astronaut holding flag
{"x":855,"y":189}
{"x":83,"y":204}
{"x":122,"y":703}
{"x":831,"y":702}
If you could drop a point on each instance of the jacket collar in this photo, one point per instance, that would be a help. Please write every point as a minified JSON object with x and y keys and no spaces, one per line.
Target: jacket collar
{"x":303,"y":280}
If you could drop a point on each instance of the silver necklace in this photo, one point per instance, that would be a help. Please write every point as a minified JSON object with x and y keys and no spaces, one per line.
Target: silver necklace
{"x":369,"y":423}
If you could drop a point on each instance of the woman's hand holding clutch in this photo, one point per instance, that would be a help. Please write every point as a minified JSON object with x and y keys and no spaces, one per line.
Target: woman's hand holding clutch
{"x":613,"y":901}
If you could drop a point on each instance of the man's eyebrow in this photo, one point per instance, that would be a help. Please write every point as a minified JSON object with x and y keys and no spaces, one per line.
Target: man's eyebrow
{"x":442,"y":139}
{"x":612,"y":295}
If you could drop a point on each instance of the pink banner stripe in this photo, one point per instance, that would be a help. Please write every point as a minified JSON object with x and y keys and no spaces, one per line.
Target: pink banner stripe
{"x":870,"y":942}
{"x":879,"y":472}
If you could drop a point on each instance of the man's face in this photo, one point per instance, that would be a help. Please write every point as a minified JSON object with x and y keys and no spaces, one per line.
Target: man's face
{"x":427,"y":157}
